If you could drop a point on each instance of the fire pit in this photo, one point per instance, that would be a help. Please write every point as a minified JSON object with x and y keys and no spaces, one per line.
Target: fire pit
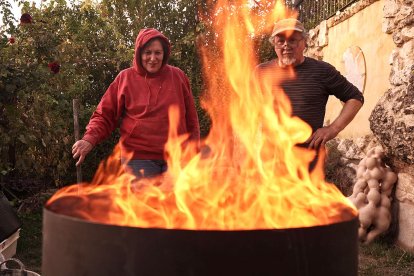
{"x":74,"y":246}
{"x":247,"y":206}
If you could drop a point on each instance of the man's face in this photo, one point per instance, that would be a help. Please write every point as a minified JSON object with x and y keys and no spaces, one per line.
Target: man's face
{"x":289,"y":47}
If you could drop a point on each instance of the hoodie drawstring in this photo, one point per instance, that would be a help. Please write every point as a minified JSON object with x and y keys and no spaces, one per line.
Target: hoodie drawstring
{"x":150,"y":91}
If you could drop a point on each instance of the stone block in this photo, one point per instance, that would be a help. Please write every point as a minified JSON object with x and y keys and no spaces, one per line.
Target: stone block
{"x":388,"y":25}
{"x":405,"y":237}
{"x":407,"y":33}
{"x":323,"y":34}
{"x":390,"y":8}
{"x":405,"y":189}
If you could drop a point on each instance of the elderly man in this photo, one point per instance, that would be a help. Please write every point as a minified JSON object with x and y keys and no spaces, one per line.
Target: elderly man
{"x":314,"y":81}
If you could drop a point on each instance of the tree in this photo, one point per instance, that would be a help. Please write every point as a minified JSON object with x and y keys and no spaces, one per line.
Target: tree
{"x":62,"y":52}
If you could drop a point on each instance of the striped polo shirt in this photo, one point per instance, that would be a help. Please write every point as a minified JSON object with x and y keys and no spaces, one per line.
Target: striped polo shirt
{"x":309,"y":90}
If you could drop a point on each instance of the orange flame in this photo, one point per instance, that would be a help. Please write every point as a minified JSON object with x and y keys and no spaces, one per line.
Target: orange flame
{"x":248,"y":174}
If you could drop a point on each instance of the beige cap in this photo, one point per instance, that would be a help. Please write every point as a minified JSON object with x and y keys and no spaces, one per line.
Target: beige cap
{"x":288,"y":24}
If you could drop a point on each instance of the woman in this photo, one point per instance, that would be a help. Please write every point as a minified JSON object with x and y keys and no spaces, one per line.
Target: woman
{"x":141,"y":96}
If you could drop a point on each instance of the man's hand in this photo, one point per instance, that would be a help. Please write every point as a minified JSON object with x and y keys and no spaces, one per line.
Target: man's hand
{"x":80,"y":149}
{"x":324,"y":134}
{"x":321,"y":136}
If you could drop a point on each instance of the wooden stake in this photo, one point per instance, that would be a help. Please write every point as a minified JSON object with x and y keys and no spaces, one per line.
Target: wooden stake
{"x":76,"y":130}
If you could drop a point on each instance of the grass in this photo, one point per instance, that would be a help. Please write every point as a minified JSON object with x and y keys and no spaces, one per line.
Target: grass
{"x":380,"y":258}
{"x":377,"y":258}
{"x":29,"y":245}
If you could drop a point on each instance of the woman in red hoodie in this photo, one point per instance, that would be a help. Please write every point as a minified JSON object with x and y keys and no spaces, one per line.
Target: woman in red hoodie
{"x":140,"y":96}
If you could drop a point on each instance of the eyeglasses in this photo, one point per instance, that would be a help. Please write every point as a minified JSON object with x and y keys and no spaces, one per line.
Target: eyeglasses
{"x":291,"y":42}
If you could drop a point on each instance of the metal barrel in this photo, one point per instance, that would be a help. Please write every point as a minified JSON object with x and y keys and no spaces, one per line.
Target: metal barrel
{"x":72,"y":246}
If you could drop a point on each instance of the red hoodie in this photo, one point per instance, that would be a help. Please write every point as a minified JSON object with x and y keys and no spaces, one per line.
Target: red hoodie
{"x":142,"y":100}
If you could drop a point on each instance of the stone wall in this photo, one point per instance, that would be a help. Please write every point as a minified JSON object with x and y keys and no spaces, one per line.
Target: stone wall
{"x":392,"y":119}
{"x":361,"y":52}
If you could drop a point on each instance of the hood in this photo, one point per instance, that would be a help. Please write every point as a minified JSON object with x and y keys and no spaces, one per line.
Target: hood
{"x":143,"y":37}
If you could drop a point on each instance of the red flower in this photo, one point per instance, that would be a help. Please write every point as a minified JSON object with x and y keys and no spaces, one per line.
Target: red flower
{"x":26,"y":18}
{"x":12,"y":40}
{"x":54,"y":67}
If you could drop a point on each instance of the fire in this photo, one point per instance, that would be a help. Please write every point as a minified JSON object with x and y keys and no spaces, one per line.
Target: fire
{"x":248,"y":173}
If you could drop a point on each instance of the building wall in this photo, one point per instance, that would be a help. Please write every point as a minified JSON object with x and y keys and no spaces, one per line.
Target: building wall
{"x":363,"y":29}
{"x":384,"y":30}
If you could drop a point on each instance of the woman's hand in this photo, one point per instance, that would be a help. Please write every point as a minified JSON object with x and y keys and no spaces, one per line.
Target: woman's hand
{"x":80,"y":149}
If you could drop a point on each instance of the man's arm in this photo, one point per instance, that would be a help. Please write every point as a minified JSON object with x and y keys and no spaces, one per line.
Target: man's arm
{"x":324,"y":134}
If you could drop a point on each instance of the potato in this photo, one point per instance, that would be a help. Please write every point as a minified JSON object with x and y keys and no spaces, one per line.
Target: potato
{"x":371,"y":163}
{"x":377,"y":173}
{"x":374,"y":197}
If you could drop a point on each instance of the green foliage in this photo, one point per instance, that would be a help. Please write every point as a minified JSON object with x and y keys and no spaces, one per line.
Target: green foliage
{"x":91,"y":43}
{"x":7,"y":14}
{"x":36,"y":126}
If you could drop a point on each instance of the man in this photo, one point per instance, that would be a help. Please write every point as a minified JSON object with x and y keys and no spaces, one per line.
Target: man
{"x":314,"y":81}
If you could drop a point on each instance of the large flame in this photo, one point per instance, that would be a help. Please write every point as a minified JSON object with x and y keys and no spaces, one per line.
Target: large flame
{"x":248,"y":173}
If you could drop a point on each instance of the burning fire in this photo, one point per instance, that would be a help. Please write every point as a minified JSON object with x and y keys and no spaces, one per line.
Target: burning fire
{"x":248,"y":174}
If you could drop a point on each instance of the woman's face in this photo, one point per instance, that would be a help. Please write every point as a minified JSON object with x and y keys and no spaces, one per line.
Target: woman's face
{"x":152,"y":56}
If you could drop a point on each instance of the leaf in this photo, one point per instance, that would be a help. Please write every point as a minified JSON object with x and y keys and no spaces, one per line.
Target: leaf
{"x":22,"y":139}
{"x":43,"y":143}
{"x":10,"y":88}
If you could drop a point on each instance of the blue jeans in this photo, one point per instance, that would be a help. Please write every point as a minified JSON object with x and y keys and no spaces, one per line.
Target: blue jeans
{"x":147,"y":168}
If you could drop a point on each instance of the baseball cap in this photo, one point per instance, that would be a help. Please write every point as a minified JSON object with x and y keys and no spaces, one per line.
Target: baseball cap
{"x":288,"y":24}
